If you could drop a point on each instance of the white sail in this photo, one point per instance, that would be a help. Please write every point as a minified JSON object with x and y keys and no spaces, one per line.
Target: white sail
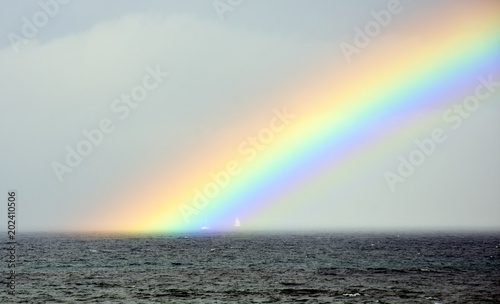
{"x":237,"y":223}
{"x":205,"y":227}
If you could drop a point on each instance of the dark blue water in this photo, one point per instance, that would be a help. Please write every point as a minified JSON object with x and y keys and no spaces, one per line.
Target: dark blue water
{"x":256,"y":268}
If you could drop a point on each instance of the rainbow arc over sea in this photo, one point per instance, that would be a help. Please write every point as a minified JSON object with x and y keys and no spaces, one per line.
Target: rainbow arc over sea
{"x":347,"y":118}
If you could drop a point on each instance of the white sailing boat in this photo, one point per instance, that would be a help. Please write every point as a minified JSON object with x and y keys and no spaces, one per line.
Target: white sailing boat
{"x":237,"y":223}
{"x":206,"y":227}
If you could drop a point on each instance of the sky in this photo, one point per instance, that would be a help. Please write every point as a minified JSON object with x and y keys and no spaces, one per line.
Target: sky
{"x":286,"y":114}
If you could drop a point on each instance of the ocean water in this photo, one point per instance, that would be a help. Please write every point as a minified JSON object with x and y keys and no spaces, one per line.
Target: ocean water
{"x":221,"y":267}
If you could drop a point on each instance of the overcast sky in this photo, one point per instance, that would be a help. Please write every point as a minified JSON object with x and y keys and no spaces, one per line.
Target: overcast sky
{"x":221,"y":66}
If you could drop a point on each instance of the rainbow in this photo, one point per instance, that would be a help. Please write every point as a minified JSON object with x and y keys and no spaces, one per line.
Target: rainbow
{"x":345,"y":121}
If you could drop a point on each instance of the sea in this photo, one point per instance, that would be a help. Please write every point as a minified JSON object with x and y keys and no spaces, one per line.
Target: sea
{"x":254,"y":267}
